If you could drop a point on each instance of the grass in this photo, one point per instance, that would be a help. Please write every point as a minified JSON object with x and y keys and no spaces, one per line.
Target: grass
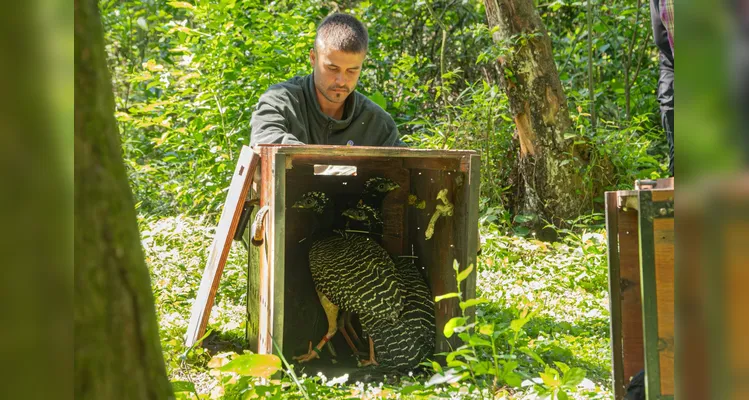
{"x":558,"y":291}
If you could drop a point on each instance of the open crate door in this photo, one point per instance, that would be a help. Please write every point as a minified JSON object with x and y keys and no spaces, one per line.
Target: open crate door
{"x":240,"y":184}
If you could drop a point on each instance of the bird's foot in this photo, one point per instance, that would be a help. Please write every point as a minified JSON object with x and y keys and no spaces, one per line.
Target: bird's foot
{"x":369,"y":362}
{"x":311,"y":355}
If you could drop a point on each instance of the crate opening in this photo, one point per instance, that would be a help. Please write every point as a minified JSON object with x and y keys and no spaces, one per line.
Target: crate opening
{"x":298,"y":317}
{"x":325,"y":169}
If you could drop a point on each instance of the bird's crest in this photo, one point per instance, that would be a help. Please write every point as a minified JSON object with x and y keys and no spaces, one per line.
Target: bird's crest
{"x":363,"y":212}
{"x":379,"y":185}
{"x":315,"y":201}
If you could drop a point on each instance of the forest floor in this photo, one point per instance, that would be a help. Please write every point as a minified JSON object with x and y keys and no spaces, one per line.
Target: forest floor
{"x":550,"y":300}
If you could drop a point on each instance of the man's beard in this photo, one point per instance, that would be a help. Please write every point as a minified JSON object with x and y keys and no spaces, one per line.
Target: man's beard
{"x":335,"y":97}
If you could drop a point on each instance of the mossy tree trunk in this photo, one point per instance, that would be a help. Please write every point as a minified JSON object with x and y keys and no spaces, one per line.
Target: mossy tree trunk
{"x":117,"y":350}
{"x":550,"y":166}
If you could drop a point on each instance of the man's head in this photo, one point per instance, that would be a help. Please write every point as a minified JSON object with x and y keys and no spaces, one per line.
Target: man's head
{"x":338,"y":55}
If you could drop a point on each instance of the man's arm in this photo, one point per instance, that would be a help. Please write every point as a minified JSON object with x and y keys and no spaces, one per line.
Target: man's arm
{"x":268,"y":123}
{"x":393,"y":138}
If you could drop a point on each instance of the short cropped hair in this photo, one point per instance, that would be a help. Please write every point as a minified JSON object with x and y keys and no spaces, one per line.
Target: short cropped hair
{"x":342,"y":32}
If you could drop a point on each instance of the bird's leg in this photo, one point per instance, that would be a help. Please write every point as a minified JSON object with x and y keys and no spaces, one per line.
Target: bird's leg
{"x":371,"y":360}
{"x":331,"y":312}
{"x":342,"y":327}
{"x":351,"y":330}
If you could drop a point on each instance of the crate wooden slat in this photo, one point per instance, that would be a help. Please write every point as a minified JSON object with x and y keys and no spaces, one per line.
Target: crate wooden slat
{"x":657,"y":276}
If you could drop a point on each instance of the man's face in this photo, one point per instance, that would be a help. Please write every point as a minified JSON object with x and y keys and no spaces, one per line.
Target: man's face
{"x":336,"y":72}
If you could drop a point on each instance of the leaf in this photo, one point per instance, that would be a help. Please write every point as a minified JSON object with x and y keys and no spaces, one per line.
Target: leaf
{"x":451,"y":324}
{"x":436,"y":366}
{"x":464,"y":273}
{"x":142,"y":23}
{"x":446,"y":296}
{"x":532,"y":354}
{"x":573,"y":377}
{"x":562,"y":366}
{"x":487,"y":329}
{"x":257,"y":365}
{"x":517,"y":324}
{"x":379,"y":99}
{"x":410,"y":389}
{"x":562,"y":395}
{"x":549,"y":379}
{"x":219,"y":360}
{"x":182,"y":386}
{"x":523,"y":218}
{"x":479,"y":341}
{"x":450,"y":376}
{"x":181,"y":4}
{"x":513,"y":379}
{"x":472,"y":302}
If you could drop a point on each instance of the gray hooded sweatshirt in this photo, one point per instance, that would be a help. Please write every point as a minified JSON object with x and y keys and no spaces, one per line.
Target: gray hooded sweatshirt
{"x":289,"y":113}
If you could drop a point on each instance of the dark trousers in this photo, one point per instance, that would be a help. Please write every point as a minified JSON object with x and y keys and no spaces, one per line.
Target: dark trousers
{"x":666,"y":79}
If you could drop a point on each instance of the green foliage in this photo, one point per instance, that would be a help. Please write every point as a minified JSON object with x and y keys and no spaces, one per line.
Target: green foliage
{"x":541,"y":313}
{"x":186,"y":76}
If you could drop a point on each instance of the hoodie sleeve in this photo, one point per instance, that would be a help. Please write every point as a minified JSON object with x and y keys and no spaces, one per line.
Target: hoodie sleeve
{"x":393,"y":137}
{"x":270,"y":122}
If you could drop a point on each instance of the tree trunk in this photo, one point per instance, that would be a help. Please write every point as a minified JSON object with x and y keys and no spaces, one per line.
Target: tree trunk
{"x":550,"y":166}
{"x":117,"y":349}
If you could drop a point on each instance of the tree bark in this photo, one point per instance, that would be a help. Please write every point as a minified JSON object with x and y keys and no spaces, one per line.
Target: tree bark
{"x":117,"y":350}
{"x":550,"y":166}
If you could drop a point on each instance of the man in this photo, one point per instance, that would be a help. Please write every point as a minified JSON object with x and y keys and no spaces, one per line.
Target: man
{"x":662,"y":18}
{"x":324,"y":107}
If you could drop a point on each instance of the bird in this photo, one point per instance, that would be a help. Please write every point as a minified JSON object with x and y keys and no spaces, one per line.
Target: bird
{"x":402,"y":344}
{"x":366,"y":215}
{"x":351,"y":273}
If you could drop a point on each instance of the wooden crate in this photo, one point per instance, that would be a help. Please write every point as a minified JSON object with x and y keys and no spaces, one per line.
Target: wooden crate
{"x":282,"y":302}
{"x":640,"y":227}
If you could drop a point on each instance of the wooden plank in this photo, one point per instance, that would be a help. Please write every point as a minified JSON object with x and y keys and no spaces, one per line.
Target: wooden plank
{"x":441,"y":164}
{"x":436,"y":255}
{"x":253,"y":291}
{"x":240,"y":184}
{"x":367,"y":151}
{"x":662,"y":195}
{"x":468,"y":228}
{"x":735,"y":316}
{"x":650,"y":220}
{"x":277,"y":222}
{"x":663,"y":229}
{"x":630,"y":294}
{"x":265,"y":322}
{"x":452,"y":163}
{"x":361,"y":162}
{"x":615,"y":306}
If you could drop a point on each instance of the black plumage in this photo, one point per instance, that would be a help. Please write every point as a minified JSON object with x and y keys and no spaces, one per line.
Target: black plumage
{"x":357,"y":275}
{"x":401,"y":345}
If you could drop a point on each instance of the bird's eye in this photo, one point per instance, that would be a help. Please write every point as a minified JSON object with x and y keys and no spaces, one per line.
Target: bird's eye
{"x":382,"y":186}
